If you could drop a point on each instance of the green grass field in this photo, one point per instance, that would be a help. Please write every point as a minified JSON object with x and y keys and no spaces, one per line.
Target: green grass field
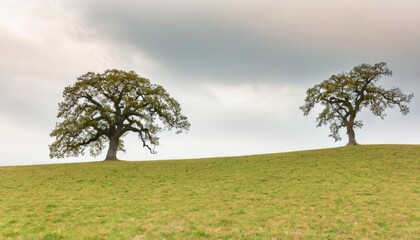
{"x":360,"y":192}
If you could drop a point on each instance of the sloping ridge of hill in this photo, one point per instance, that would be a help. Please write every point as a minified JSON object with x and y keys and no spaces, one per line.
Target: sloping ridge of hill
{"x":358,"y":192}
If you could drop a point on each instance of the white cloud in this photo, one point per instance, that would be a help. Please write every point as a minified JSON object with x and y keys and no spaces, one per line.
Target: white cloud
{"x":21,"y":144}
{"x":239,"y":70}
{"x":44,"y":48}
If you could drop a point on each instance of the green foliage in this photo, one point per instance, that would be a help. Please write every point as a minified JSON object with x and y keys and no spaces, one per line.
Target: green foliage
{"x":104,"y":107}
{"x":360,"y":192}
{"x":344,"y":95}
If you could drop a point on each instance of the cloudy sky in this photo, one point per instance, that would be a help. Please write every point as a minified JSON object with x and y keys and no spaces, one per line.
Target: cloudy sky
{"x":239,"y":69}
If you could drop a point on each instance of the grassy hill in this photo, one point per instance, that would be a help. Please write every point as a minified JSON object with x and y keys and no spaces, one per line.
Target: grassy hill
{"x":359,"y":192}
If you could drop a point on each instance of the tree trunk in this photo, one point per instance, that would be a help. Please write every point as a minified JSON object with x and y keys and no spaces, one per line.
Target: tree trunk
{"x":352,"y":136}
{"x":113,"y":148}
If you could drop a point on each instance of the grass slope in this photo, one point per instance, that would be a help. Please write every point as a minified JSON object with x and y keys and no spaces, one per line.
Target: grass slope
{"x":356,"y":192}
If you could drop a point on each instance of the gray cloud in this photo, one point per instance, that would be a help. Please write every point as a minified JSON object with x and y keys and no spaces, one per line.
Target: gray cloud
{"x":198,"y":43}
{"x":257,"y":41}
{"x":239,"y":68}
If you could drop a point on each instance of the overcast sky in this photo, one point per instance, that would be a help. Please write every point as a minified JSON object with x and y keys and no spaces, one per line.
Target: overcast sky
{"x":239,"y":69}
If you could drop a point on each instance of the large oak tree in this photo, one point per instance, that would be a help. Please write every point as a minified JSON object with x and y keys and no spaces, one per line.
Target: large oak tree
{"x":101,"y":108}
{"x":344,"y":95}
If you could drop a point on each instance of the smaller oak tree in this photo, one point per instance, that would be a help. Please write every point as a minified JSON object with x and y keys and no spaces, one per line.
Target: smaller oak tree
{"x":105,"y":107}
{"x":345,"y":95}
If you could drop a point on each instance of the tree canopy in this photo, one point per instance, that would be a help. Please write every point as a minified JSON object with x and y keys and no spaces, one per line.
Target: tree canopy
{"x":344,"y":95}
{"x":105,"y":107}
